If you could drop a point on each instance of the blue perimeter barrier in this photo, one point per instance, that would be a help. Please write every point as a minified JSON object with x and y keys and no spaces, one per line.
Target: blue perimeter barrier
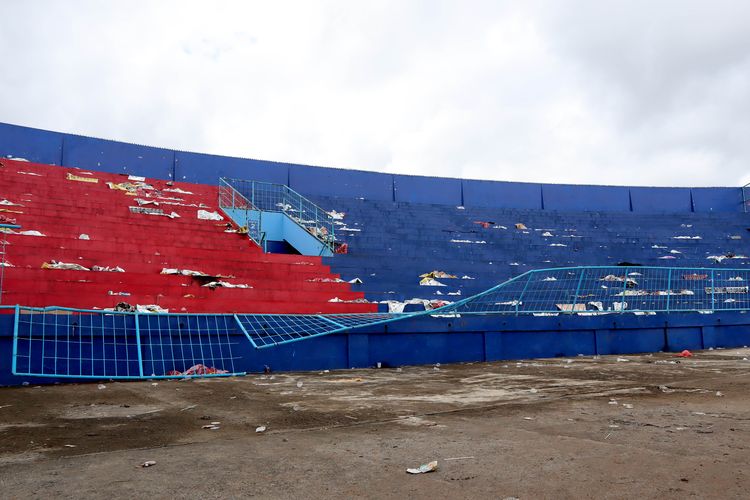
{"x":62,"y":343}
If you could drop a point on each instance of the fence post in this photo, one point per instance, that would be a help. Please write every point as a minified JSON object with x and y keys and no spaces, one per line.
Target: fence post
{"x":713,"y":292}
{"x":16,"y":313}
{"x":518,"y":301}
{"x":624,"y":287}
{"x":138,"y":343}
{"x":669,"y":287}
{"x":578,"y":288}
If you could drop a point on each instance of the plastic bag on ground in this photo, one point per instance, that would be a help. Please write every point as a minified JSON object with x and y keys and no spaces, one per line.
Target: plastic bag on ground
{"x":206,"y":215}
{"x":424,"y":468}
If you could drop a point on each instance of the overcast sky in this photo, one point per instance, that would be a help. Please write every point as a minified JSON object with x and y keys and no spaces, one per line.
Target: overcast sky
{"x":589,"y":92}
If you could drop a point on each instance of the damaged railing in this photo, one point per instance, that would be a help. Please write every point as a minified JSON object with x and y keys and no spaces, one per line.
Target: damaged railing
{"x":271,"y":197}
{"x":230,"y":198}
{"x":745,"y":196}
{"x":64,"y":342}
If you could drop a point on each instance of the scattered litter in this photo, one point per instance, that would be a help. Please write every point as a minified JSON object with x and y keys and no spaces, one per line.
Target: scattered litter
{"x":466,"y":277}
{"x":211,"y":427}
{"x":130,"y":188}
{"x":176,"y":190}
{"x":223,"y":284}
{"x":571,"y":307}
{"x":596,"y":305}
{"x":675,"y":251}
{"x":124,"y":294}
{"x":458,"y":292}
{"x":107,"y":269}
{"x":153,"y":211}
{"x":665,"y":389}
{"x":684,"y":354}
{"x":509,"y":303}
{"x":188,"y":407}
{"x":521,"y":226}
{"x":719,"y":393}
{"x":83,"y":236}
{"x":437,"y":274}
{"x":735,"y":237}
{"x":355,"y":281}
{"x":725,"y":289}
{"x":30,"y":173}
{"x":460,"y":458}
{"x":621,"y":360}
{"x":686,"y":237}
{"x":69,"y":445}
{"x":694,"y":277}
{"x":350,"y":229}
{"x":612,"y":402}
{"x":325,"y":280}
{"x":667,"y":257}
{"x":629,"y":282}
{"x":146,"y":202}
{"x":659,"y":247}
{"x":547,"y":234}
{"x":336,"y":215}
{"x":199,"y":369}
{"x":151,"y":308}
{"x":136,"y":178}
{"x":9,"y":203}
{"x":550,"y":278}
{"x":148,"y":463}
{"x":64,"y":266}
{"x":481,"y":242}
{"x":728,"y":255}
{"x":484,"y":224}
{"x":30,"y":233}
{"x":627,"y":405}
{"x":299,"y":384}
{"x":260,"y":429}
{"x":101,"y":386}
{"x":424,"y":468}
{"x":206,"y":215}
{"x":354,"y":301}
{"x":184,"y":272}
{"x":736,"y":278}
{"x":430,"y":282}
{"x":460,"y":208}
{"x":528,"y":418}
{"x":77,"y":178}
{"x":558,"y":245}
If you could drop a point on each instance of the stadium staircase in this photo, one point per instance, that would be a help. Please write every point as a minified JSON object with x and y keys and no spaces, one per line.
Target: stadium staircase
{"x":390,"y":244}
{"x":63,"y":209}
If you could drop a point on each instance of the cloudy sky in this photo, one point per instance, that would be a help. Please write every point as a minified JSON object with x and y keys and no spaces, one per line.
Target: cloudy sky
{"x":622,"y":92}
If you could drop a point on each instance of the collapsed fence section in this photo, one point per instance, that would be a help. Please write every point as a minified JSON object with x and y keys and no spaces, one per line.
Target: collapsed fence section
{"x":62,"y":342}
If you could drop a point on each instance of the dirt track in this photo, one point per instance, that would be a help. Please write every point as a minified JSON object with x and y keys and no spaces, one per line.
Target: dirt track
{"x":561,"y":428}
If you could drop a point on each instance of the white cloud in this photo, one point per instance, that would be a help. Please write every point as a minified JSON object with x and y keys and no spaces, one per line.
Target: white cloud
{"x":582,"y":92}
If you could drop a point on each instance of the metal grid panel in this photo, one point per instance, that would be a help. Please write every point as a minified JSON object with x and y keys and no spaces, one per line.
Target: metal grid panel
{"x":183,"y":344}
{"x":63,"y":344}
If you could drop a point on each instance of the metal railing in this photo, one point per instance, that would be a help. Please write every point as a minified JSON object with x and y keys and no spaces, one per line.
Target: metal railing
{"x":594,"y":290}
{"x":745,"y":196}
{"x":270,"y":197}
{"x":65,"y":342}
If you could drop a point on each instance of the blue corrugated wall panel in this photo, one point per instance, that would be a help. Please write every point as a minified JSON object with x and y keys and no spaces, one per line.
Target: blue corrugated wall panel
{"x":434,"y":190}
{"x":629,"y":341}
{"x":206,"y":169}
{"x":684,"y":338}
{"x":502,"y":194}
{"x":718,"y":199}
{"x":342,"y":183}
{"x":117,"y":157}
{"x":660,"y":199}
{"x":581,"y":198}
{"x":38,"y":146}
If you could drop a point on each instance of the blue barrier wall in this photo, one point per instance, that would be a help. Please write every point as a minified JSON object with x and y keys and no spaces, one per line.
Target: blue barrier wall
{"x":502,"y":194}
{"x":426,"y":340}
{"x":111,"y":156}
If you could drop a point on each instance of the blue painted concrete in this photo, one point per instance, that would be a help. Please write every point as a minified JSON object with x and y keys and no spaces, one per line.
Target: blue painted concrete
{"x":113,"y":156}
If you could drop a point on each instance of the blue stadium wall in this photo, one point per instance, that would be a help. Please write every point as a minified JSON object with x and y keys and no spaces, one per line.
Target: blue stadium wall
{"x":70,"y":150}
{"x":426,"y":340}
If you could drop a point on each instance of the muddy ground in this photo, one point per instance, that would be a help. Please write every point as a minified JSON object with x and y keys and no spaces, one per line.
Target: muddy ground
{"x":605,"y":427}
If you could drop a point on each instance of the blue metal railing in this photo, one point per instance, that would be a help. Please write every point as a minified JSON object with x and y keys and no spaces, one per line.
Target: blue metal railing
{"x":65,"y":342}
{"x":745,"y":196}
{"x":270,"y":197}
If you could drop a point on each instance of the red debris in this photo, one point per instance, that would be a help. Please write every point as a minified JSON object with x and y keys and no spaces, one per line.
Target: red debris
{"x":684,"y":354}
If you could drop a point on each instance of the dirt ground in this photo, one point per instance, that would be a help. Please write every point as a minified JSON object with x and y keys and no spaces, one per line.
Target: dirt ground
{"x":604,"y":427}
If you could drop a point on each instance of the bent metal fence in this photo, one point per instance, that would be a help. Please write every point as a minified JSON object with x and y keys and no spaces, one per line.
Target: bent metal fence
{"x":63,"y":342}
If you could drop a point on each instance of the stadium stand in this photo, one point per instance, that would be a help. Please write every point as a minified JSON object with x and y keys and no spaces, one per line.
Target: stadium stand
{"x":89,"y":224}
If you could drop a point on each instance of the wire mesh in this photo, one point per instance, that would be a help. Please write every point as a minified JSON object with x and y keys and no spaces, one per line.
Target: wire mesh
{"x":184,"y":344}
{"x":91,"y":344}
{"x":75,"y":344}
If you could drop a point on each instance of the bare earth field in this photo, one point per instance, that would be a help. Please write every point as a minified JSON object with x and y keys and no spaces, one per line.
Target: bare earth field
{"x":629,"y":427}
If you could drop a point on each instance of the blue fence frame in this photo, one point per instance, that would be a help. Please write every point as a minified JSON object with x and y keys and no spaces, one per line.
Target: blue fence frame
{"x":65,"y":342}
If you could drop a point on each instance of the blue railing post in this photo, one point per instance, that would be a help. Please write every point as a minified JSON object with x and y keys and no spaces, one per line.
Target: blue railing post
{"x":578,"y":288}
{"x":669,"y":287}
{"x":138,"y":344}
{"x":624,"y":287}
{"x":518,"y":302}
{"x":14,"y":367}
{"x":713,"y":292}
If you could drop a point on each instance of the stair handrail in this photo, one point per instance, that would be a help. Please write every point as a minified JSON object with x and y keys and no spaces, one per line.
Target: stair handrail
{"x":274,"y":197}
